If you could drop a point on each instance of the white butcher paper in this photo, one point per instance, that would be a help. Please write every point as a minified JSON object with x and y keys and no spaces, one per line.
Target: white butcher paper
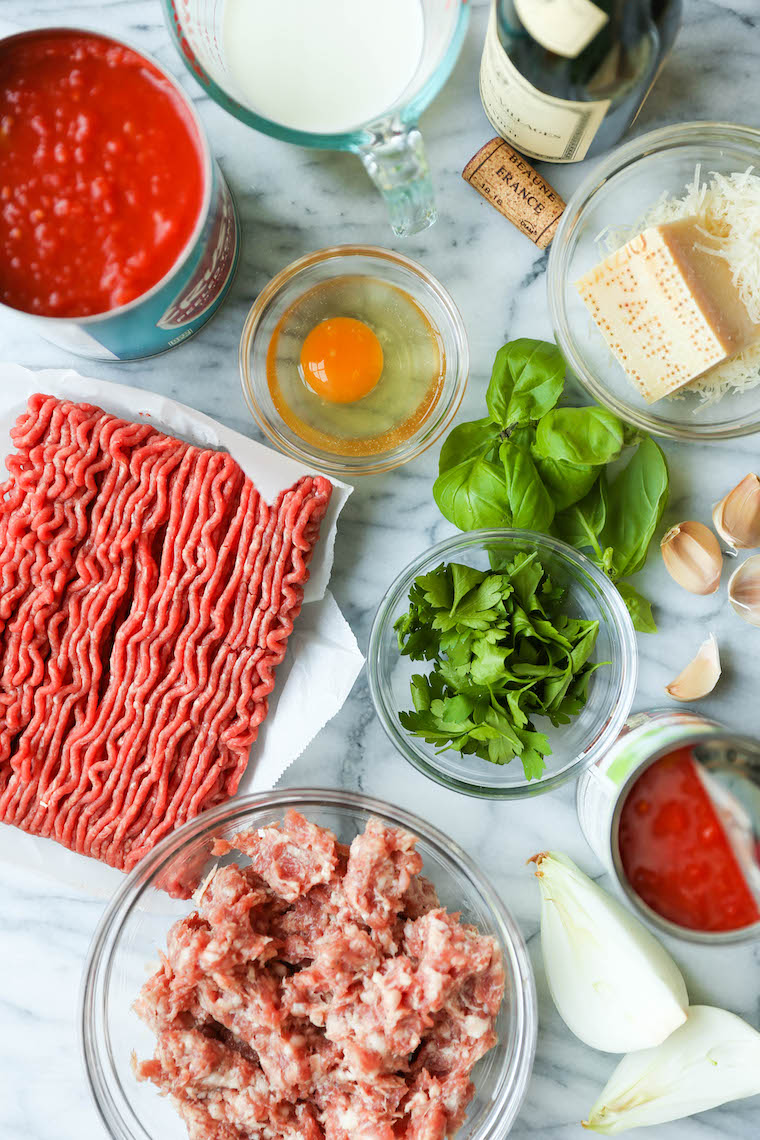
{"x":322,"y":659}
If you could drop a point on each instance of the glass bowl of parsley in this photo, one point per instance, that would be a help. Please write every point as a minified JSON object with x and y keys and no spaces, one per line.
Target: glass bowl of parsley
{"x":502,"y":663}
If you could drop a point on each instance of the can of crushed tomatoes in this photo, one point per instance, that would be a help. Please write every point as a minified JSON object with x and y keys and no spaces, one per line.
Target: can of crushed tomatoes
{"x":119,"y":237}
{"x":726,"y":775}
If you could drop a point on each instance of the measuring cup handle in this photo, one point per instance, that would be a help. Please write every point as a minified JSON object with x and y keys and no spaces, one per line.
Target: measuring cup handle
{"x":396,"y":162}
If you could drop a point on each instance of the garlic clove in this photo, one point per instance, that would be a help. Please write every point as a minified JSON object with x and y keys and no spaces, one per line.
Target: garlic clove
{"x":713,"y":1058}
{"x":737,"y":516}
{"x":744,"y":590}
{"x":700,"y":676}
{"x":692,"y":557}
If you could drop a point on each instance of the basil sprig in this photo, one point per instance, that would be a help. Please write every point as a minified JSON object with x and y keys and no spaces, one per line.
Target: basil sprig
{"x":580,"y":474}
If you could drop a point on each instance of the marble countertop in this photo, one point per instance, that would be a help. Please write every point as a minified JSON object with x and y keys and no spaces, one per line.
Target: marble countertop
{"x":293,"y":201}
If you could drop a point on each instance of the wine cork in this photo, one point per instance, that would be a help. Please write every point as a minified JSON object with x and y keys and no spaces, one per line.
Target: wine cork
{"x":509,"y":182}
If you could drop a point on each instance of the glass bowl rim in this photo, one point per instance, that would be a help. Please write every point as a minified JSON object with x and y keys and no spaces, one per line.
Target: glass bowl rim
{"x":523,"y":1007}
{"x":706,"y":131}
{"x":341,"y":466}
{"x":621,"y":623}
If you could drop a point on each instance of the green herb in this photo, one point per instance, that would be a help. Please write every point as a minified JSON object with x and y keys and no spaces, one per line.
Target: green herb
{"x":577,"y":473}
{"x":530,"y":504}
{"x":637,"y":499}
{"x":579,"y":435}
{"x":504,"y":652}
{"x":526,"y":382}
{"x":472,"y":494}
{"x":638,"y":607}
{"x":566,"y":482}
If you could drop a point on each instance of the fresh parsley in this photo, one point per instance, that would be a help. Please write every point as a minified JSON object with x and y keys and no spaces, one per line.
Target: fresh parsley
{"x":503,"y":652}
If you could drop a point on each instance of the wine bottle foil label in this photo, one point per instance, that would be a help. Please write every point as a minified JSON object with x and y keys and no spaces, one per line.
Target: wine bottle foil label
{"x":539,"y":125}
{"x":565,"y":27}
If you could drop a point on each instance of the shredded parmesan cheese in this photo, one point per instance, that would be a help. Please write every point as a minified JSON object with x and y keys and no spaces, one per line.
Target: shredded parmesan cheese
{"x":727,"y":209}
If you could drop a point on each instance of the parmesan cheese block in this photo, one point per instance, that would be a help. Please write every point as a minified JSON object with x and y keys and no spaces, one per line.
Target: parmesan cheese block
{"x":668,"y":308}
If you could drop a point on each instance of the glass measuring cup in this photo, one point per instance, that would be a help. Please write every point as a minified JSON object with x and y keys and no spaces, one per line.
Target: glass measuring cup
{"x":390,"y":146}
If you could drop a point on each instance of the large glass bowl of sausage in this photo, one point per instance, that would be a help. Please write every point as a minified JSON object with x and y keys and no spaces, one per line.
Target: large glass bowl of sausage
{"x":309,"y":964}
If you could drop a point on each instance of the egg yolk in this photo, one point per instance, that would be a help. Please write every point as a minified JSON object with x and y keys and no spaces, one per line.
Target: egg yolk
{"x":341,"y":360}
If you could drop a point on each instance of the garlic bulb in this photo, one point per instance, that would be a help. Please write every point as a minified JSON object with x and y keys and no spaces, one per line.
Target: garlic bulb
{"x":692,"y":557}
{"x":614,"y":985}
{"x":713,"y":1058}
{"x":744,"y":590}
{"x":700,"y":676}
{"x":737,"y":516}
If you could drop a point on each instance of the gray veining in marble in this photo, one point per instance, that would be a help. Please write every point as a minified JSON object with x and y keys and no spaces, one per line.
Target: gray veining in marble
{"x":293,"y":201}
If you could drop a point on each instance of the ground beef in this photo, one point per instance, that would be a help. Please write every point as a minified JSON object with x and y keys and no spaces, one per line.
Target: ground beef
{"x":147,"y":593}
{"x":321,"y":993}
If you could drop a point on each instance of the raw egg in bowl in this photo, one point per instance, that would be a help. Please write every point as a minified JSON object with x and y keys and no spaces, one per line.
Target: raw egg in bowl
{"x":341,"y":360}
{"x":354,"y":359}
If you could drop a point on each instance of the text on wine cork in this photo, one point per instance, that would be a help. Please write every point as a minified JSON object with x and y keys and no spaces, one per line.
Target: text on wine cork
{"x":509,"y":182}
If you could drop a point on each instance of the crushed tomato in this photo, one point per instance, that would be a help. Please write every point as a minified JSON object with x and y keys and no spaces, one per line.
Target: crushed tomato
{"x":676,"y":854}
{"x":101,"y":174}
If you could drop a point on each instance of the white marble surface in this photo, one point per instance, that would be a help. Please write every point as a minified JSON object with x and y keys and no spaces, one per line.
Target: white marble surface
{"x":293,"y":201}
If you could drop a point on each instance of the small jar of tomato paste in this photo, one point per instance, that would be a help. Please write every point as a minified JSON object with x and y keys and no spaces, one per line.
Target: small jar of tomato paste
{"x":118,"y":234}
{"x":673,"y":810}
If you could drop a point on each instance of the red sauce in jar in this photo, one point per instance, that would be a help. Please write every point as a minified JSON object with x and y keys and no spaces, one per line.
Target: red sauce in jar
{"x":101,"y":174}
{"x":675,"y":852}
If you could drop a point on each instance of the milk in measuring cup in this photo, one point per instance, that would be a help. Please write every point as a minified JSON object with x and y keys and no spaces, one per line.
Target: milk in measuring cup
{"x":325,"y":66}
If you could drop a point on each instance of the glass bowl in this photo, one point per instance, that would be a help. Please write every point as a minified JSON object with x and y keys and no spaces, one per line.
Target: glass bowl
{"x":297,"y":279}
{"x":133,"y":929}
{"x":616,"y":193}
{"x":591,"y":595}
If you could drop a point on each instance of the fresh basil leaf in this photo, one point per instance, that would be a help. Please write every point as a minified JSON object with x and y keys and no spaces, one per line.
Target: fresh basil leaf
{"x":472,"y":495}
{"x":530,"y":504}
{"x":526,"y":381}
{"x":567,"y":483}
{"x":500,"y":388}
{"x":637,"y":498}
{"x":523,"y":437}
{"x":579,"y":435}
{"x":639,"y":608}
{"x":581,"y":524}
{"x":468,"y":441}
{"x":538,"y":369}
{"x":632,"y":435}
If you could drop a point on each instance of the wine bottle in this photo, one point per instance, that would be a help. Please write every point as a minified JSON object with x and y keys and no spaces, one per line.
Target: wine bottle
{"x":564,"y":79}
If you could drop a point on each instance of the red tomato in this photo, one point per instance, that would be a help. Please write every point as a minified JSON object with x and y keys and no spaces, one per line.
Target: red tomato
{"x":101,"y":174}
